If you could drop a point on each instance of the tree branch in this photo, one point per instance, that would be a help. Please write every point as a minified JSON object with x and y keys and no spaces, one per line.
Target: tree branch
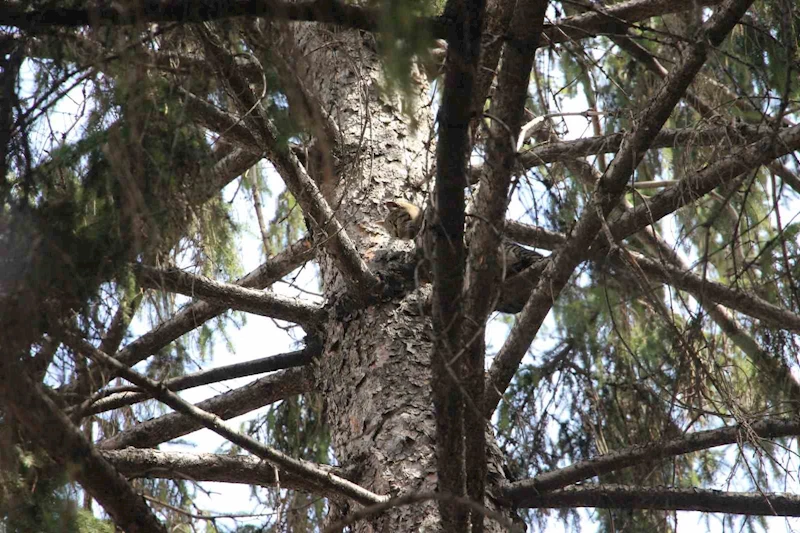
{"x":496,"y":22}
{"x":606,"y":195}
{"x":337,"y":242}
{"x":261,"y":392}
{"x":627,"y":457}
{"x":692,"y":187}
{"x":701,"y":106}
{"x":668,"y":499}
{"x":485,"y":269}
{"x":614,"y":19}
{"x":669,"y":200}
{"x":704,"y":290}
{"x":190,"y":317}
{"x":224,"y":171}
{"x":186,"y":11}
{"x":217,"y":425}
{"x":243,"y":469}
{"x":445,"y":249}
{"x":230,"y":295}
{"x":227,"y":126}
{"x":667,"y":138}
{"x":559,"y":151}
{"x":111,"y":399}
{"x":116,"y":331}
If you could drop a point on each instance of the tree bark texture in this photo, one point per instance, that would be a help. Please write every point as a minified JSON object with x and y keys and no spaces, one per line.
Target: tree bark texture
{"x":374,"y":371}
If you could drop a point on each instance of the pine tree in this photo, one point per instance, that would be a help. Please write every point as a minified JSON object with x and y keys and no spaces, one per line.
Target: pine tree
{"x":645,"y":365}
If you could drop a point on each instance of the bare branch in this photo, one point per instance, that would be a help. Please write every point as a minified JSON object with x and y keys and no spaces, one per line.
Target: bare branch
{"x":244,"y":469}
{"x":119,"y":324}
{"x":114,"y":400}
{"x":552,"y":152}
{"x":231,"y":296}
{"x":692,"y":187}
{"x":534,"y":235}
{"x":261,"y":392}
{"x":627,"y":457}
{"x":189,"y":318}
{"x":685,"y":192}
{"x":224,"y":171}
{"x":669,"y":499}
{"x":703,"y":289}
{"x":667,"y":138}
{"x":789,"y":177}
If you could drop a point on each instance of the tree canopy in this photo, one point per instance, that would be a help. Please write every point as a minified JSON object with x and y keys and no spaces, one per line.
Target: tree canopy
{"x":641,"y":156}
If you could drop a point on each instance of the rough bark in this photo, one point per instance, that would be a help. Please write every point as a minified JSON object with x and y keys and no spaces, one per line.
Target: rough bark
{"x":375,"y":368}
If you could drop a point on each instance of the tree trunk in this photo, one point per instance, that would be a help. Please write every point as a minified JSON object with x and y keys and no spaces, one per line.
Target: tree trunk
{"x":375,"y":368}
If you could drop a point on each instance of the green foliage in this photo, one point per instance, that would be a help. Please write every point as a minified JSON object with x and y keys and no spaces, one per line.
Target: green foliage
{"x":767,"y":45}
{"x":88,"y":523}
{"x":287,"y":225}
{"x":115,"y":195}
{"x":402,"y":42}
{"x":297,"y":427}
{"x":135,"y":181}
{"x":31,"y":502}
